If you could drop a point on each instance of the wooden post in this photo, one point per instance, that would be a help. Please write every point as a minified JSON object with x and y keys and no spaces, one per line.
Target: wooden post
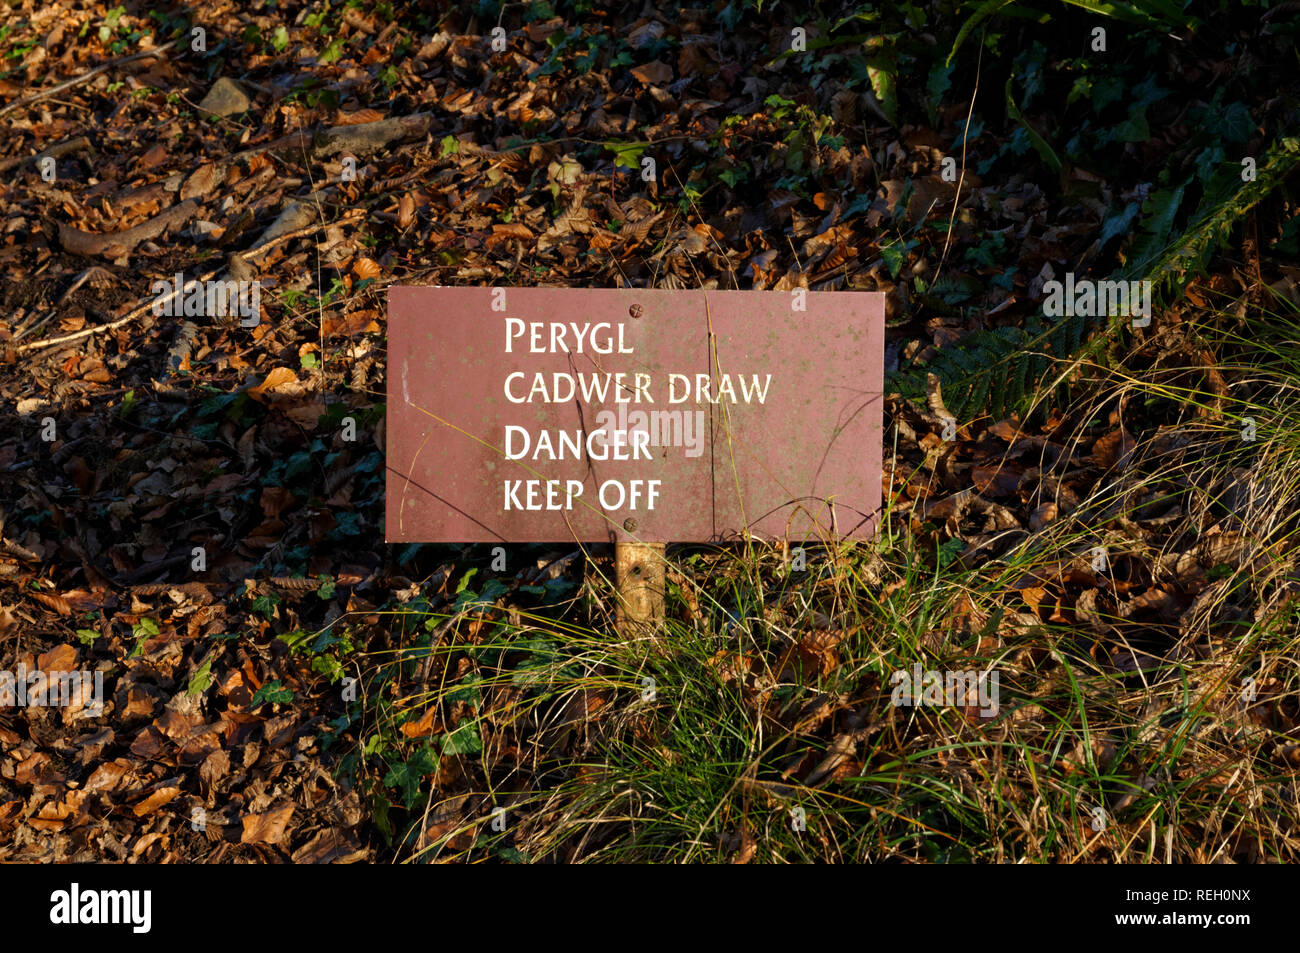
{"x":639,"y":573}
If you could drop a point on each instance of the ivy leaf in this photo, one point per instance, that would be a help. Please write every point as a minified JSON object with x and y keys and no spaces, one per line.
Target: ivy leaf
{"x":201,"y":679}
{"x":882,"y":71}
{"x":1120,"y":224}
{"x":273,"y":692}
{"x":950,"y":550}
{"x":1044,"y":151}
{"x":627,"y":155}
{"x":144,"y":627}
{"x":408,"y":775}
{"x":1135,"y":128}
{"x":894,"y":258}
{"x":464,"y":740}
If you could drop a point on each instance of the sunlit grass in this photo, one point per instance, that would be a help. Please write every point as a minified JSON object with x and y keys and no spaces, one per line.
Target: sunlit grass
{"x":758,"y":725}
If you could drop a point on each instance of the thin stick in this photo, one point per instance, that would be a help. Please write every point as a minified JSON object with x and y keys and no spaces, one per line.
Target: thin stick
{"x":84,"y":77}
{"x":246,"y":255}
{"x":100,"y":328}
{"x":298,"y":233}
{"x":81,"y":280}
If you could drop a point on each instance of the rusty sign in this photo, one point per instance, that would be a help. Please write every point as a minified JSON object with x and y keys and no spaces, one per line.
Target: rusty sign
{"x":549,"y":414}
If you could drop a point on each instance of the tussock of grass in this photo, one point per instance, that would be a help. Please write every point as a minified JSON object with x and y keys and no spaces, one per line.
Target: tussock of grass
{"x":1148,"y":710}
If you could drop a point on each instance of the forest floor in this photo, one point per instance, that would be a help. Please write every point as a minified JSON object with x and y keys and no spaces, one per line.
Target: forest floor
{"x":193,"y":506}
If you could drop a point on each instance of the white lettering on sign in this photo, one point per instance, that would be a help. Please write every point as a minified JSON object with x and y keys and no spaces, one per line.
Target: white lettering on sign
{"x":533,"y":491}
{"x":598,"y":444}
{"x":726,"y":389}
{"x":565,"y":387}
{"x":553,"y":337}
{"x":617,"y":437}
{"x":549,"y":495}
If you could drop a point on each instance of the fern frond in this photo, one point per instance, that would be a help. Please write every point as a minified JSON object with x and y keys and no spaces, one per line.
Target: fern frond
{"x":1000,"y":369}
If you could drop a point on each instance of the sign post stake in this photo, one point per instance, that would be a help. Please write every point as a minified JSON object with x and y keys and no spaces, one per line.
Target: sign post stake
{"x":639,"y":575}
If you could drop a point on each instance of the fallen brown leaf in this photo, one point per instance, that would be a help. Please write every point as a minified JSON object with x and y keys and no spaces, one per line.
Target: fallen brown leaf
{"x":156,"y":800}
{"x":267,"y":828}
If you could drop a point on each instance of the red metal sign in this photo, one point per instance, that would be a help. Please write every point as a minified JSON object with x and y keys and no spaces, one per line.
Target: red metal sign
{"x":548,"y":414}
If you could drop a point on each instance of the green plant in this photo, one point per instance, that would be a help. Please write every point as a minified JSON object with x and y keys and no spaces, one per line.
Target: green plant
{"x":142,"y":630}
{"x":272,"y":692}
{"x":200,"y":679}
{"x":328,"y":649}
{"x":1152,"y":14}
{"x":1018,"y":359}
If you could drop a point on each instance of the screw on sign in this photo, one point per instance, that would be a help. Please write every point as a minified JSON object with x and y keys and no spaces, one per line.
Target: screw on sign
{"x":633,"y":416}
